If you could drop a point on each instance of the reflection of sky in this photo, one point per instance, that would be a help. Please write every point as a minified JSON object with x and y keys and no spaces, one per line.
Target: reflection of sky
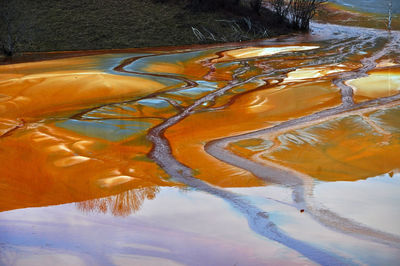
{"x":301,"y":226}
{"x":189,"y":227}
{"x":185,"y":227}
{"x":374,"y":202}
{"x":193,"y":92}
{"x":155,"y":103}
{"x":113,"y":130}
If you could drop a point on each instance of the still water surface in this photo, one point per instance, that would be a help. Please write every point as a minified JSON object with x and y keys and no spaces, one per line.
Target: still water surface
{"x":373,"y":6}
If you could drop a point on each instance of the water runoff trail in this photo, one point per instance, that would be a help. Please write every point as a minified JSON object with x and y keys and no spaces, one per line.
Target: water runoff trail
{"x":330,"y":45}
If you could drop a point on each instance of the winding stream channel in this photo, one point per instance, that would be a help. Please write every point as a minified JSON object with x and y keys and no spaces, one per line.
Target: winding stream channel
{"x":280,"y":151}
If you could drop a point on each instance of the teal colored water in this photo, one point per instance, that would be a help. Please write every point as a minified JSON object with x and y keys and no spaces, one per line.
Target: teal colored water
{"x":374,"y":6}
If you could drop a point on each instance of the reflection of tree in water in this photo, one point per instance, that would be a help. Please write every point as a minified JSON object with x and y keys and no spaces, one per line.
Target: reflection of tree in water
{"x":123,"y":204}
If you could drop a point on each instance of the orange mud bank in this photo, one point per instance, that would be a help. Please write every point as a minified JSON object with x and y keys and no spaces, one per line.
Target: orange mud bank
{"x":72,"y":140}
{"x":45,"y":164}
{"x":72,"y":130}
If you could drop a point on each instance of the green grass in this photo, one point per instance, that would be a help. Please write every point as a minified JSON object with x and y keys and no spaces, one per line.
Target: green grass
{"x":49,"y":25}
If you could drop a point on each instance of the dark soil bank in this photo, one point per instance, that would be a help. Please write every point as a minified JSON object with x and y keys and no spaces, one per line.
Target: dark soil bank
{"x":49,"y":25}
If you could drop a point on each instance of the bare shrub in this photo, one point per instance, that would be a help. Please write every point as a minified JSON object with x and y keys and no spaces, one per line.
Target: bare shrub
{"x":302,"y":11}
{"x":299,"y":12}
{"x":280,"y":7}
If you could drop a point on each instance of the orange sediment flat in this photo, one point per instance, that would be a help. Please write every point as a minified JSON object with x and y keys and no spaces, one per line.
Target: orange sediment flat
{"x":379,"y":83}
{"x":301,"y":74}
{"x":49,"y":165}
{"x":249,"y":147}
{"x":44,"y":164}
{"x":192,"y":68}
{"x":348,"y":149}
{"x":38,"y":95}
{"x":63,"y":124}
{"x":250,"y":52}
{"x":345,"y":149}
{"x":189,"y":137}
{"x":257,"y":109}
{"x":30,"y":68}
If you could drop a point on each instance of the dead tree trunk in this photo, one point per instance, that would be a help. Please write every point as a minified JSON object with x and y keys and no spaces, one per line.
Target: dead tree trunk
{"x":390,"y":14}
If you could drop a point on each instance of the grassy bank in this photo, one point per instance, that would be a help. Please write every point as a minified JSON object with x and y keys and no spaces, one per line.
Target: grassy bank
{"x":49,"y":25}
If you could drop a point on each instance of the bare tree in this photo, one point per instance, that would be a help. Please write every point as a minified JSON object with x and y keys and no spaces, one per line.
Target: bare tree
{"x":390,"y":15}
{"x":299,"y":12}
